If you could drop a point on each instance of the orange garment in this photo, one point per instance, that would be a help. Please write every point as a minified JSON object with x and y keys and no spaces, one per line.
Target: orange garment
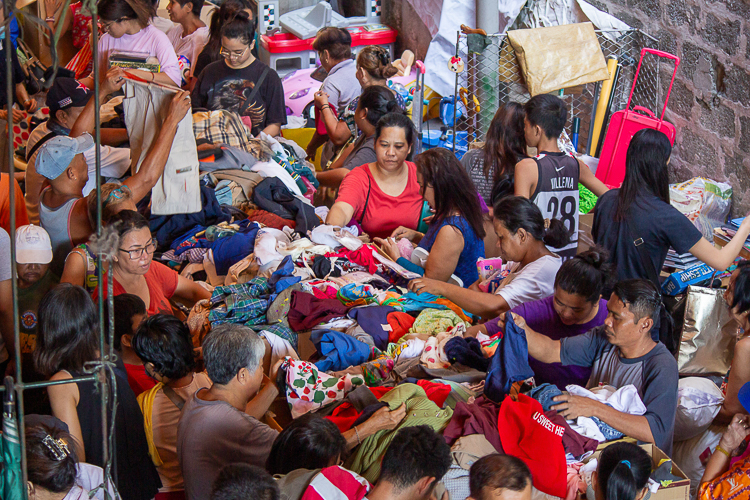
{"x":734,"y":484}
{"x":453,"y":307}
{"x":400,"y":323}
{"x":22,"y":219}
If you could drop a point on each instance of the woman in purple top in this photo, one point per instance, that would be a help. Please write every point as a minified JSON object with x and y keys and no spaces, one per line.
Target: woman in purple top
{"x":576,"y":307}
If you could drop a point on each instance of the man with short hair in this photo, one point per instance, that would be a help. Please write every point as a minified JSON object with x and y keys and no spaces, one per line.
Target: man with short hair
{"x":66,"y":99}
{"x":219,"y":426}
{"x":620,"y":352}
{"x":499,"y":477}
{"x":243,"y":482}
{"x":189,"y":34}
{"x":416,"y":460}
{"x":63,"y":211}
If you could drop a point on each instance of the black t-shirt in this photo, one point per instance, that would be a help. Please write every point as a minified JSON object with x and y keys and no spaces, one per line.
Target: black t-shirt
{"x":659,"y":224}
{"x":18,"y":76}
{"x":222,"y":87}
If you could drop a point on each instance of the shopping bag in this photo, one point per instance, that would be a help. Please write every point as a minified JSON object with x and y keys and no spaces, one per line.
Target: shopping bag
{"x":708,"y":335}
{"x":558,"y":57}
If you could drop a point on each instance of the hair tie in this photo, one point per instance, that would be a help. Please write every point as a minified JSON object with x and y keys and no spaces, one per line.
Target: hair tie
{"x":57,"y":447}
{"x":546,"y":223}
{"x":625,"y":462}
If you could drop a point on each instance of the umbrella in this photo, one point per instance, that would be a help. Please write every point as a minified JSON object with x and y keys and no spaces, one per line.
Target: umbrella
{"x":11,"y":479}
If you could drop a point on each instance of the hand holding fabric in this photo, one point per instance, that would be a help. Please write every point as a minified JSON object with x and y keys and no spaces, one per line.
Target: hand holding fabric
{"x":427,"y":285}
{"x":736,"y":433}
{"x":384,"y":419}
{"x":571,"y":407}
{"x":390,"y":247}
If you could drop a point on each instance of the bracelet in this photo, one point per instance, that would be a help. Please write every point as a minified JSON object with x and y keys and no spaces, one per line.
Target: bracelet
{"x":725,"y":452}
{"x":324,"y":107}
{"x":357,"y":433}
{"x":50,"y":19}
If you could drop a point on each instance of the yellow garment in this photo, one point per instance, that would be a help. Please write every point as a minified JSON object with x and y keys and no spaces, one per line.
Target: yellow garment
{"x":146,"y":402}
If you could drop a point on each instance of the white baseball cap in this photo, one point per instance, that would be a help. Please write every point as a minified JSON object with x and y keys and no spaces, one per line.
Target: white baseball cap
{"x":33,"y":245}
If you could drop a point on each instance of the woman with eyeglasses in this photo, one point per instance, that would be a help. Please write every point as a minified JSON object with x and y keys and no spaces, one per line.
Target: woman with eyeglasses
{"x":126,"y":26}
{"x":135,"y":272}
{"x":241,"y":83}
{"x":81,"y":263}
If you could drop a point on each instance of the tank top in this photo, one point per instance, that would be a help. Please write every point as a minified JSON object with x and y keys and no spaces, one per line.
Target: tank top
{"x":466,"y":268}
{"x":137,"y":478}
{"x":56,"y":223}
{"x":556,"y":195}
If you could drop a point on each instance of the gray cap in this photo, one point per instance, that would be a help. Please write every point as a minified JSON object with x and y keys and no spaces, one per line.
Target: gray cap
{"x":55,"y":156}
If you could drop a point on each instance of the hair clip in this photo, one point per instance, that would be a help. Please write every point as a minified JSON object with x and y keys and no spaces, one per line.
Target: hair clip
{"x":57,"y":447}
{"x":626,"y":463}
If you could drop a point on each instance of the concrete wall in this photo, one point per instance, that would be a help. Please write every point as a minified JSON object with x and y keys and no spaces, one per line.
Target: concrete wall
{"x":710,"y":103}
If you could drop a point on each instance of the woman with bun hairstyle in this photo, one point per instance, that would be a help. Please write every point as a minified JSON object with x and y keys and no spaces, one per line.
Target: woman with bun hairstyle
{"x":374,"y":103}
{"x":522,"y":238}
{"x":622,"y":474}
{"x":52,"y":464}
{"x":374,"y":68}
{"x":576,"y":307}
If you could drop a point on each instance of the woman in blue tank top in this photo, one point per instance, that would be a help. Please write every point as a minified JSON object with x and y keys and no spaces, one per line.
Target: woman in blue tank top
{"x":455,"y":238}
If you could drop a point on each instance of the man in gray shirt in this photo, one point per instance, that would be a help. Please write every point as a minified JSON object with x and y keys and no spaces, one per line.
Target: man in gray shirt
{"x":219,"y":425}
{"x":620,"y":352}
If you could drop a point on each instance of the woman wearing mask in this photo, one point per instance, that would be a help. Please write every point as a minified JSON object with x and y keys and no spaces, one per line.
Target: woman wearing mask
{"x":135,"y":272}
{"x":374,"y":103}
{"x":523,"y":235}
{"x":453,"y":242}
{"x":384,"y":194}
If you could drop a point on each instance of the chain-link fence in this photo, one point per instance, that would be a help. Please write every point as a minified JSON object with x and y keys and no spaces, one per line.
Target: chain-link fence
{"x":492,"y":77}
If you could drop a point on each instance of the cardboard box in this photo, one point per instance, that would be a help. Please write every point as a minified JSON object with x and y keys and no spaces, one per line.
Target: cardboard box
{"x":679,"y":490}
{"x":585,"y":239}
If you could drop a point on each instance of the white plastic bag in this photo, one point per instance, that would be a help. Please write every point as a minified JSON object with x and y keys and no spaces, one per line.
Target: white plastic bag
{"x":698,"y":402}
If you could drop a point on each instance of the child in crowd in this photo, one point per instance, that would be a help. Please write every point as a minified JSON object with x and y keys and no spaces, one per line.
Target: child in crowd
{"x":189,"y":35}
{"x":551,"y":178}
{"x":241,"y":83}
{"x":130,"y":312}
{"x":499,"y":477}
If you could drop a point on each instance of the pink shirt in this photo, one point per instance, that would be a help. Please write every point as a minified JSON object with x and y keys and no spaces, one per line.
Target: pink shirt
{"x":149,"y":40}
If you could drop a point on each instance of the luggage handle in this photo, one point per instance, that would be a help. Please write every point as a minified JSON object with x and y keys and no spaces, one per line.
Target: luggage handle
{"x":645,"y":111}
{"x":658,"y":53}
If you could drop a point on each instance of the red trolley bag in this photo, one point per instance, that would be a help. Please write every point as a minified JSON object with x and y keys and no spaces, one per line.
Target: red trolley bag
{"x":625,"y":123}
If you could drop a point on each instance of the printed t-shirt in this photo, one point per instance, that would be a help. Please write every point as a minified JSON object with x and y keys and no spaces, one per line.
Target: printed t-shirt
{"x":187,"y":47}
{"x":654,"y":375}
{"x":222,"y":87}
{"x":161,"y":282}
{"x":212,"y":434}
{"x":532,"y":282}
{"x":149,"y":40}
{"x":383,"y":212}
{"x":22,"y":218}
{"x":541,"y":317}
{"x":473,"y":162}
{"x":28,"y":306}
{"x":659,"y":224}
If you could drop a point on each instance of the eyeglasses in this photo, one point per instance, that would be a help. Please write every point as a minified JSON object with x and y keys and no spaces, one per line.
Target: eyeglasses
{"x":226,"y":54}
{"x":107,"y":25}
{"x":136,"y":253}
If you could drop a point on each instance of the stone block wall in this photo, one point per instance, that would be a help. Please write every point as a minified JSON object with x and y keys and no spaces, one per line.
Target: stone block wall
{"x":710,"y":102}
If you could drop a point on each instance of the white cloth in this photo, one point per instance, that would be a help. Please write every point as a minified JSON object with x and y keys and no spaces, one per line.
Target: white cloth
{"x":272,"y":169}
{"x":188,"y":48}
{"x":149,"y":40}
{"x":625,"y":400}
{"x":178,"y":189}
{"x":266,"y":242}
{"x":300,"y":246}
{"x":334,"y":237}
{"x":280,"y":348}
{"x":535,"y":281}
{"x":88,"y":478}
{"x":413,"y":349}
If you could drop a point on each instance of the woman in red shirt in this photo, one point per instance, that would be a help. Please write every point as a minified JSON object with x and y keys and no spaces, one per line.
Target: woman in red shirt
{"x":135,"y":271}
{"x":384,"y":195}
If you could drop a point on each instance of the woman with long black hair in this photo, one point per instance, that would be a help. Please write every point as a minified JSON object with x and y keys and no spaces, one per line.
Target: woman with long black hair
{"x":454,"y":239}
{"x":637,"y":225}
{"x":622,"y":474}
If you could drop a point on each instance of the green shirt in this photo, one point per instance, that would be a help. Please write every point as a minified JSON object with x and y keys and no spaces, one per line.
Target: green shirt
{"x":28,"y":304}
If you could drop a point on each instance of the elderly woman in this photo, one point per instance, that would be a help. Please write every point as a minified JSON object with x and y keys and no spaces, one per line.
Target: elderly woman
{"x":135,"y":271}
{"x":385,"y":194}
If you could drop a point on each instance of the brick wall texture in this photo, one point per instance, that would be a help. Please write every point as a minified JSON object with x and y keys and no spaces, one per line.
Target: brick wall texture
{"x":710,"y":102}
